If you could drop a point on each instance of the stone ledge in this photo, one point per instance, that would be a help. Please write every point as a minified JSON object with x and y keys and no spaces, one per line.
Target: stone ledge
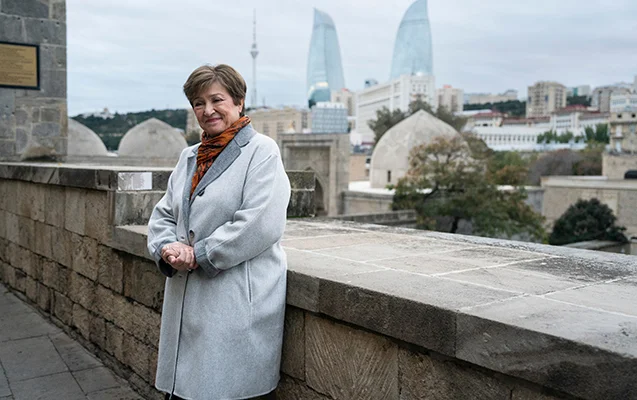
{"x":109,"y":178}
{"x":559,"y":317}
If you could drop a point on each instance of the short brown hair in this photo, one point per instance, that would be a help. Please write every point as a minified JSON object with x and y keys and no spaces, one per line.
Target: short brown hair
{"x":201,"y":78}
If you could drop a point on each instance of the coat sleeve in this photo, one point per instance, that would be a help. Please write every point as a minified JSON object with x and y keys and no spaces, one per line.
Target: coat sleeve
{"x":257,"y":225}
{"x":162,"y":229}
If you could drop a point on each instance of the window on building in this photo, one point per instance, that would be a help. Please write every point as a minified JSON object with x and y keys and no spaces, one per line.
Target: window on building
{"x":388,"y":176}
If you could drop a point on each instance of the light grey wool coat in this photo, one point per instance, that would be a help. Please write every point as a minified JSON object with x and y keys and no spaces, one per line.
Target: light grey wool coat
{"x":222,"y":323}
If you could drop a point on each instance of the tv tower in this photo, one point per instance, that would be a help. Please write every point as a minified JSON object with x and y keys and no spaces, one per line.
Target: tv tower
{"x":254,"y":53}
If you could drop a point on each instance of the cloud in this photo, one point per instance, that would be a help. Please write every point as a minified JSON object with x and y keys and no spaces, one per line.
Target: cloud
{"x":135,"y":55}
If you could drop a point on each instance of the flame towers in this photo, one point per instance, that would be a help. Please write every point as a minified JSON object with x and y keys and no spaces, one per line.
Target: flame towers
{"x":324,"y":67}
{"x":412,"y":50}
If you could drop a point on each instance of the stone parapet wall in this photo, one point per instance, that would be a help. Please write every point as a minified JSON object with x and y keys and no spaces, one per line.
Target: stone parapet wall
{"x":373,"y":312}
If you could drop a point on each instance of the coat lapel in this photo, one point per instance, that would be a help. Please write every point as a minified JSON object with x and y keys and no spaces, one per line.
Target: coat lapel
{"x":225,"y":159}
{"x":191,"y":166}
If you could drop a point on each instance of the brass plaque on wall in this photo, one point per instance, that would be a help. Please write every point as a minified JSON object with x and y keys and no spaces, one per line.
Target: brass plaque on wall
{"x":19,"y":65}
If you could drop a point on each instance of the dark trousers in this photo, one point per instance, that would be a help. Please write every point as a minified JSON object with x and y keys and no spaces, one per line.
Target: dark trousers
{"x":269,"y":396}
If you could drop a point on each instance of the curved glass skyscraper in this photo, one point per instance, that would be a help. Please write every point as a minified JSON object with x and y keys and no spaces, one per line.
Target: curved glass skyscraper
{"x":324,"y":68}
{"x":412,"y":50}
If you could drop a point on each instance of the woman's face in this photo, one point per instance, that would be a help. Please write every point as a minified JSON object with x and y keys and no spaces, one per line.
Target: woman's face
{"x":215,"y":109}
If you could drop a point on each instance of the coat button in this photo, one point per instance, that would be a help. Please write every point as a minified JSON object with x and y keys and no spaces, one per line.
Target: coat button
{"x":191,"y":235}
{"x":201,"y":193}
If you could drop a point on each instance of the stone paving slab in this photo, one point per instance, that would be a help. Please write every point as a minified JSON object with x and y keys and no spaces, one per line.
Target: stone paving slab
{"x":57,"y":386}
{"x":30,"y":358}
{"x":39,"y":361}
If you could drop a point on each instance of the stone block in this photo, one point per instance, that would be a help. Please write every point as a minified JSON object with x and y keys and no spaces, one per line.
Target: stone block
{"x":82,"y":290}
{"x":523,"y":393}
{"x":114,"y":341}
{"x":58,"y":11}
{"x":20,"y":280}
{"x":31,"y":286}
{"x":26,"y":232}
{"x":46,"y":129}
{"x":13,"y":227}
{"x":97,"y":215}
{"x":8,"y":275}
{"x":426,"y":377}
{"x":291,"y":389}
{"x":44,"y":240}
{"x":55,"y":276}
{"x":82,"y":320}
{"x":11,"y":194}
{"x":53,"y":84}
{"x":45,"y":31}
{"x":7,"y":149}
{"x":76,"y":357}
{"x":63,"y":308}
{"x":147,"y":323}
{"x":293,"y":357}
{"x":51,"y":115}
{"x":4,"y":245}
{"x":11,"y":28}
{"x":349,"y":364}
{"x":44,"y":298}
{"x":54,"y":209}
{"x":62,"y":249}
{"x":97,"y":332}
{"x":137,"y":356}
{"x":110,"y":268}
{"x":31,"y":9}
{"x":7,"y":127}
{"x":85,"y":260}
{"x":75,"y":210}
{"x":143,"y":282}
{"x":21,"y":117}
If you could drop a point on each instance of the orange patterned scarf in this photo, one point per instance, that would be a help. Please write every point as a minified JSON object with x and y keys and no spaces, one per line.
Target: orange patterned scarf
{"x":211,"y":147}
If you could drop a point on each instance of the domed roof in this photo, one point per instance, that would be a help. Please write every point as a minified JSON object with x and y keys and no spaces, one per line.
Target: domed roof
{"x":390,"y":159}
{"x":83,"y":141}
{"x":152,"y":139}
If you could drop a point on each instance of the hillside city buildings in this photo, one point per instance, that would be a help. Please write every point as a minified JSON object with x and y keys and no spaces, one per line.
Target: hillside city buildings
{"x":450,"y":98}
{"x":544,"y":98}
{"x":489,"y":98}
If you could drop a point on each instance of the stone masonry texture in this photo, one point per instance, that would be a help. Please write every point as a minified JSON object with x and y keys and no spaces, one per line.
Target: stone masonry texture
{"x":33,"y":123}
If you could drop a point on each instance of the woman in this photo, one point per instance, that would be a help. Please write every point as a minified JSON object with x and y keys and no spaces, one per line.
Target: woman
{"x":216,"y":236}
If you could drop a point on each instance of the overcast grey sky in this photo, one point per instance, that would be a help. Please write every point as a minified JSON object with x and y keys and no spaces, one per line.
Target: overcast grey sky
{"x":134,"y":55}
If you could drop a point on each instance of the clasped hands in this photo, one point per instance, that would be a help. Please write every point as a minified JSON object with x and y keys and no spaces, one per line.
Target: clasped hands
{"x":180,"y":256}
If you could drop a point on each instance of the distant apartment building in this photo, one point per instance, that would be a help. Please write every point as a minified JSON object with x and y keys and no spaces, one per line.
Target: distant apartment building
{"x":451,"y":98}
{"x":395,"y":94}
{"x":623,"y":131}
{"x":486,"y":98}
{"x":346,"y":98}
{"x":601,"y":97}
{"x":329,"y":118}
{"x":581,"y":90}
{"x":484,"y":119}
{"x":623,"y":102}
{"x":544,"y":98}
{"x":576,"y":119}
{"x":275,"y":121}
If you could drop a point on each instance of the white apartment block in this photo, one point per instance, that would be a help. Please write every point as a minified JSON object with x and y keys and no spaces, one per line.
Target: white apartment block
{"x":451,"y":98}
{"x":519,"y":138}
{"x":601,"y":97}
{"x":395,"y":94}
{"x":485,"y":98}
{"x":544,"y":98}
{"x":623,"y":102}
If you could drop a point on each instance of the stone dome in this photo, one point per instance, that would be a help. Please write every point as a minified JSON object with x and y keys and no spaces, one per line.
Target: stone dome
{"x":83,"y":141}
{"x":390,"y":159}
{"x":152,"y":139}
